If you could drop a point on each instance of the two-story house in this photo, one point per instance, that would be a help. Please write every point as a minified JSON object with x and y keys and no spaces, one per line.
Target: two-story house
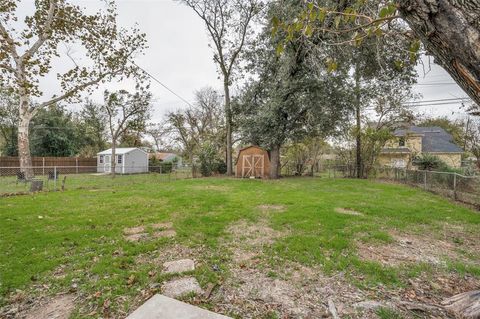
{"x":414,"y":141}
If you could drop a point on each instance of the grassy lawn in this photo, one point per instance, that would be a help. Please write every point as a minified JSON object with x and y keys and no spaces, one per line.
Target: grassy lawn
{"x":372,"y":240}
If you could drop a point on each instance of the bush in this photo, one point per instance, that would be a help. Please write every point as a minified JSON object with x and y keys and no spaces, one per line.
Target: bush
{"x":209,"y":162}
{"x":428,"y":162}
{"x":157,"y":166}
{"x":166,"y":168}
{"x":220,"y":167}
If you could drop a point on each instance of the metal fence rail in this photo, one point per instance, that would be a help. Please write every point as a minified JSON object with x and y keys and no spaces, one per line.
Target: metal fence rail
{"x":458,"y":187}
{"x":15,"y":181}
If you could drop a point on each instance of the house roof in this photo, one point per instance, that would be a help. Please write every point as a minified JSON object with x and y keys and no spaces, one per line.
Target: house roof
{"x":120,"y":150}
{"x":434,"y":139}
{"x":163,"y":156}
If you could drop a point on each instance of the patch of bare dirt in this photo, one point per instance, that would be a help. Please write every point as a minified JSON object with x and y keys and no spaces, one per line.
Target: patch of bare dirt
{"x":292,"y":292}
{"x":272,"y":208}
{"x":255,"y":287}
{"x":347,"y":211}
{"x":56,"y":307}
{"x":410,"y":249}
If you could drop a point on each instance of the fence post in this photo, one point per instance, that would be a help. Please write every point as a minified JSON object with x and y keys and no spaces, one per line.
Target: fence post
{"x":425,"y":179}
{"x":76,"y":165}
{"x":455,"y":186}
{"x":55,"y":178}
{"x":43,"y":166}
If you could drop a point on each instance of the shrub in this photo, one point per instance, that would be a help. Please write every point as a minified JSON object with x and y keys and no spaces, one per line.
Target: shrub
{"x":430,"y":162}
{"x":166,"y":167}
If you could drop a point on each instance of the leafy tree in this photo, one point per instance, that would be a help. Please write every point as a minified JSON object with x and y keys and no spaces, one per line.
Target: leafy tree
{"x":201,"y":123}
{"x":93,"y":127}
{"x":26,"y":55}
{"x":54,"y":133}
{"x":8,"y":122}
{"x":229,"y":25}
{"x":472,"y":138}
{"x":125,"y":111}
{"x":449,"y":30}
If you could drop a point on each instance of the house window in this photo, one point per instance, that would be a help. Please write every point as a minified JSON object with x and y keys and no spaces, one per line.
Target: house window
{"x":401,"y":141}
{"x":101,"y":159}
{"x":119,"y":159}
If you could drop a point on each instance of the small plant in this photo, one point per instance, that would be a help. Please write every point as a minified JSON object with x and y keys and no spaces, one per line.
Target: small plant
{"x":428,"y":162}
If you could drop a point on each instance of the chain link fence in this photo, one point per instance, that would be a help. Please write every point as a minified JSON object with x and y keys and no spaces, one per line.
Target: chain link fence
{"x":17,"y":181}
{"x":458,"y":187}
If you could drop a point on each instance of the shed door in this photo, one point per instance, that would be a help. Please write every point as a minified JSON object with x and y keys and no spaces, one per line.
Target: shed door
{"x":107,"y":164}
{"x":258,"y":161}
{"x":247,"y":166}
{"x":253,"y":165}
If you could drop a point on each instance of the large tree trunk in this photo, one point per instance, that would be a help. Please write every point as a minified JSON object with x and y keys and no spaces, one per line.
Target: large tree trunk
{"x":24,"y":155}
{"x":275,"y":162}
{"x":450,"y":31}
{"x":228,"y":124}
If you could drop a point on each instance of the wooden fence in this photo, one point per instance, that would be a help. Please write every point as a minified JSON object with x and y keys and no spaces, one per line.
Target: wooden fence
{"x":43,"y":164}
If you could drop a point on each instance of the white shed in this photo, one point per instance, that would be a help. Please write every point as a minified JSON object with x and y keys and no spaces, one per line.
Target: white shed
{"x":128,"y":161}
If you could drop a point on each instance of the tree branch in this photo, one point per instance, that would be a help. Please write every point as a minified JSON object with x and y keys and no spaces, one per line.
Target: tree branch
{"x":44,"y":35}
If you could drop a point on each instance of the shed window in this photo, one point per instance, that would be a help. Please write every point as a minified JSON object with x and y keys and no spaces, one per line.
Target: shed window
{"x":119,"y":159}
{"x":101,"y":159}
{"x":401,"y":141}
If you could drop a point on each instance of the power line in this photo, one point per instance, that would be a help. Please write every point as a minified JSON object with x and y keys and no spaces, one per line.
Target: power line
{"x":159,"y":82}
{"x":459,"y":99}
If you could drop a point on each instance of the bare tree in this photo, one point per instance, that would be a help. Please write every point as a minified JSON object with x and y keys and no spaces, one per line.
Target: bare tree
{"x":229,"y":25}
{"x":203,"y":121}
{"x":125,"y":111}
{"x":26,"y":56}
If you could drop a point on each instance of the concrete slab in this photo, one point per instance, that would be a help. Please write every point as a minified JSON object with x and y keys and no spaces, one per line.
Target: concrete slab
{"x":180,"y":287}
{"x":179,"y":266}
{"x":162,"y":307}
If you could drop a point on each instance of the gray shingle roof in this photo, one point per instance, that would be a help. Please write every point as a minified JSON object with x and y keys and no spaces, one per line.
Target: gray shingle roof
{"x":434,"y":139}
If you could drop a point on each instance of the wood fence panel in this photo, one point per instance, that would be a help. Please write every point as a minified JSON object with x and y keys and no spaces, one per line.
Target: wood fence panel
{"x":44,"y":165}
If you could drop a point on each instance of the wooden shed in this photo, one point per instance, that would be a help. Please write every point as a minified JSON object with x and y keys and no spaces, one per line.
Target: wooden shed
{"x":253,"y":161}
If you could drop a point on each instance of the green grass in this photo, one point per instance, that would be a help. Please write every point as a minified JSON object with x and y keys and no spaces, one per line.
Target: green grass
{"x":81,"y":228}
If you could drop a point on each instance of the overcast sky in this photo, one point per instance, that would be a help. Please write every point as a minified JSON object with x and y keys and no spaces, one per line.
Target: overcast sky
{"x":179,"y":56}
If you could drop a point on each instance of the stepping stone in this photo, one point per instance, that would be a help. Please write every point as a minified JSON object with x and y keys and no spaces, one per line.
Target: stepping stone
{"x":180,"y":287}
{"x":167,"y":225}
{"x":136,"y":237}
{"x":162,"y":307}
{"x":164,"y":233}
{"x":179,"y":266}
{"x":134,"y":230}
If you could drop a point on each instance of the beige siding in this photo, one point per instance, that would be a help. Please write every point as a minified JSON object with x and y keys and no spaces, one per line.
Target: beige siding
{"x":389,"y":159}
{"x":451,"y":159}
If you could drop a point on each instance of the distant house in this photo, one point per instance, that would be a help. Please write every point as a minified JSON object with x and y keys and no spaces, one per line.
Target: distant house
{"x":127,"y":161}
{"x":414,"y":141}
{"x":167,"y":158}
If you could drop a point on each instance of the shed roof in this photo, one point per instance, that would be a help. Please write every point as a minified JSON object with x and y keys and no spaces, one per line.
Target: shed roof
{"x":434,"y":139}
{"x":120,"y":150}
{"x":251,"y":146}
